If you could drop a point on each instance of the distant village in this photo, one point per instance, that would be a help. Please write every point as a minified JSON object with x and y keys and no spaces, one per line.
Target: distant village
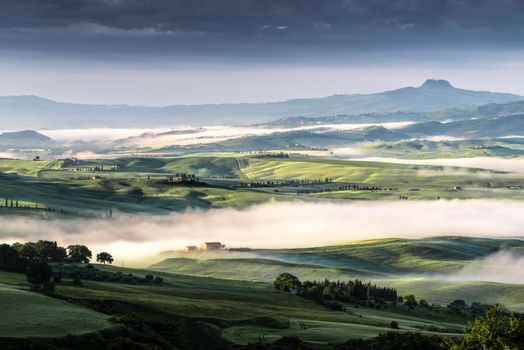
{"x":206,"y":247}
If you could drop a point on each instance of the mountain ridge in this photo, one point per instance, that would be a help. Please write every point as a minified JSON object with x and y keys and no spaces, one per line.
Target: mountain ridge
{"x":34,"y":112}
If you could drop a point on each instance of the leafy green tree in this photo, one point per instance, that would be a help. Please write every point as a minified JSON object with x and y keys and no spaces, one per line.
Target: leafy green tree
{"x":50,"y":251}
{"x":493,"y":331}
{"x":61,"y":254}
{"x":79,"y":254}
{"x":423,"y":303}
{"x":410,"y":301}
{"x":457,"y":304}
{"x":286,"y":282}
{"x":28,"y":251}
{"x":104,"y":258}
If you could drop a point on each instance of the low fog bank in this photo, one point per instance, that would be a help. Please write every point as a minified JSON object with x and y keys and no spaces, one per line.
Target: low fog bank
{"x":96,"y":134}
{"x":515,"y":165}
{"x":503,"y":267}
{"x":275,"y":225}
{"x":183,"y":135}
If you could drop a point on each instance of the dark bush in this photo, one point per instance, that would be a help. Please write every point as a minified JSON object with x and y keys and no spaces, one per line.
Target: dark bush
{"x":38,"y":273}
{"x":333,"y":305}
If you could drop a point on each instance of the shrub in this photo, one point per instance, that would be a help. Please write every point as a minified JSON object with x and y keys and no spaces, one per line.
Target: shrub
{"x":333,"y":305}
{"x":38,"y":273}
{"x":286,"y":282}
{"x":394,"y":325}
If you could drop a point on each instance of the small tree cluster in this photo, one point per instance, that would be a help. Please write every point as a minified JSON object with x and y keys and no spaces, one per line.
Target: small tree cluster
{"x":33,"y":258}
{"x":326,"y":292}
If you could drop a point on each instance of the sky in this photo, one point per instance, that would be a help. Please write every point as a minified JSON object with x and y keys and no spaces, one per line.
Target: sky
{"x":211,"y":51}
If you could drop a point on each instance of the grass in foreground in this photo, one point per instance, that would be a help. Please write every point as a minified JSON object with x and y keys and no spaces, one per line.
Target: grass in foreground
{"x":29,"y":314}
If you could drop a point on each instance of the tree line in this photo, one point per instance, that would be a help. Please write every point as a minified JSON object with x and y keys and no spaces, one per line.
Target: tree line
{"x":325,"y":292}
{"x":33,"y":259}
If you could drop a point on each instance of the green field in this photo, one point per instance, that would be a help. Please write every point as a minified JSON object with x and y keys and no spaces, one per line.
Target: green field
{"x":28,"y":314}
{"x":234,"y":300}
{"x":243,"y":310}
{"x":138,"y":185}
{"x":411,"y":266}
{"x":424,"y":149}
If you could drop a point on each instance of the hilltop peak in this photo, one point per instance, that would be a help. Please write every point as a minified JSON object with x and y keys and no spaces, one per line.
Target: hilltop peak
{"x":437,"y":84}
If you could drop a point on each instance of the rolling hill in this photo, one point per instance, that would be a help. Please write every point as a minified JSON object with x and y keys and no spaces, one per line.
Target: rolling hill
{"x":26,"y":138}
{"x":36,"y":112}
{"x":27,"y":314}
{"x":472,"y":128}
{"x":421,"y":265}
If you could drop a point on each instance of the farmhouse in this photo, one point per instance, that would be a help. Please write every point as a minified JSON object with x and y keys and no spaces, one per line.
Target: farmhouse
{"x":191,"y":248}
{"x":211,"y":246}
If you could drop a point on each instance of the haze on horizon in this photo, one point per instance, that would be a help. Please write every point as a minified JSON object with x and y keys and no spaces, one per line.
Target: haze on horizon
{"x":177,"y":52}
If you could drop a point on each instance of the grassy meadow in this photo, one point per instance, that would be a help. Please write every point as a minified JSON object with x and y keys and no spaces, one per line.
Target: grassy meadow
{"x":29,"y":314}
{"x":138,"y":185}
{"x":230,"y":295}
{"x":238,"y":311}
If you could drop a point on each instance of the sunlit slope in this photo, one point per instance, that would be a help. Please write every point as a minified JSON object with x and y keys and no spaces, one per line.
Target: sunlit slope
{"x":439,"y":254}
{"x":27,"y":167}
{"x":424,"y":267}
{"x":28,"y":314}
{"x":202,"y":165}
{"x":366,"y":258}
{"x":138,"y":185}
{"x":441,"y":291}
{"x":352,"y":171}
{"x":252,"y":269}
{"x":424,"y":149}
{"x":126,"y":195}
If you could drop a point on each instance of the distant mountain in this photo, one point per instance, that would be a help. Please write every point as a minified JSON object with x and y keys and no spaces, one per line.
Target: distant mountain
{"x":489,"y":110}
{"x":26,"y":138}
{"x":38,"y":113}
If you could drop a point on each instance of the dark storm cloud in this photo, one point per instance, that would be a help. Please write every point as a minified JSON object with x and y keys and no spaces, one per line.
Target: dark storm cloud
{"x":256,"y":28}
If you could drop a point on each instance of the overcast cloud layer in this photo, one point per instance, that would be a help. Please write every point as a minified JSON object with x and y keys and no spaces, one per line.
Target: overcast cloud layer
{"x":257,"y":27}
{"x":210,"y":51}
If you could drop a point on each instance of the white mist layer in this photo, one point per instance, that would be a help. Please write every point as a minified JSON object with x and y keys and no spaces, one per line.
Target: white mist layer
{"x":276,"y":225}
{"x":155,"y":137}
{"x":515,"y":165}
{"x":96,"y":134}
{"x":503,"y":267}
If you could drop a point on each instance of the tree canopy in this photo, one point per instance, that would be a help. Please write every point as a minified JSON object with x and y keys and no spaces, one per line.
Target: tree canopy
{"x":104,"y":257}
{"x":494,"y":330}
{"x":79,"y":254}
